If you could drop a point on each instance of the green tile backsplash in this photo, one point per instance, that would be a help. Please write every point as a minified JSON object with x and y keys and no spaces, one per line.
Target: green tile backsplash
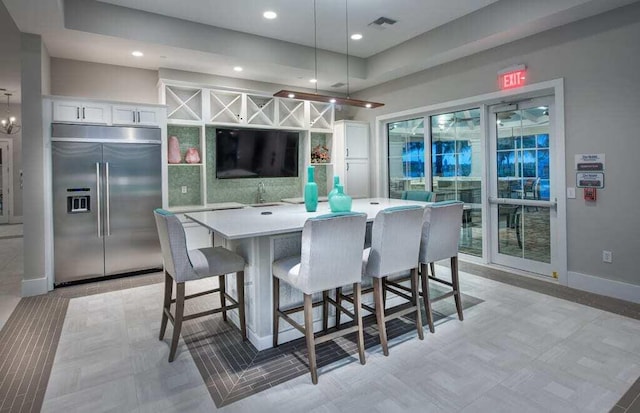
{"x":184,"y":175}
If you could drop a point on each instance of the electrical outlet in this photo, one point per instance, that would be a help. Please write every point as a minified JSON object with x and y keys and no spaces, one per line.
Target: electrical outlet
{"x":571,"y":193}
{"x":184,"y":189}
{"x":607,"y":256}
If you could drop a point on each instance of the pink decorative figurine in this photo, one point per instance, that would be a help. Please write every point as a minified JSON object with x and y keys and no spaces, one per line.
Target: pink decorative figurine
{"x":174,"y":150}
{"x":192,"y":156}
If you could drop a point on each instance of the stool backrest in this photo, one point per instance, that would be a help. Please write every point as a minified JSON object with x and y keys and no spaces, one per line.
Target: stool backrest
{"x":331,"y":254}
{"x":395,"y":240}
{"x":173,"y":244}
{"x":441,"y":231}
{"x":424,"y":196}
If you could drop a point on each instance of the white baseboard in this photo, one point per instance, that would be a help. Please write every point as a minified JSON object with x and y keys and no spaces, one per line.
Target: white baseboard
{"x":15,"y":219}
{"x":603,"y":286}
{"x":36,"y":286}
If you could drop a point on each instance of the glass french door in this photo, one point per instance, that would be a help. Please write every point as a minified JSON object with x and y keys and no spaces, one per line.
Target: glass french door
{"x":406,"y":156}
{"x":523,"y":190}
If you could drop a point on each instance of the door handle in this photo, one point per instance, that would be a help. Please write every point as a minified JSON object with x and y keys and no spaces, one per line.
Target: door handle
{"x":107,"y":198}
{"x":134,"y":116}
{"x":98,"y":199}
{"x":347,"y":152}
{"x":347,"y":166}
{"x":77,"y":112}
{"x":83,"y":117}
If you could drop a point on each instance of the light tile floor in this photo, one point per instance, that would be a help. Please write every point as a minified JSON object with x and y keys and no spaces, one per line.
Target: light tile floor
{"x":519,"y":351}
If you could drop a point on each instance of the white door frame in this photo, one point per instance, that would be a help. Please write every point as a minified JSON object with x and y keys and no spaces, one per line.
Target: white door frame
{"x":554,"y":87}
{"x":7,"y":176}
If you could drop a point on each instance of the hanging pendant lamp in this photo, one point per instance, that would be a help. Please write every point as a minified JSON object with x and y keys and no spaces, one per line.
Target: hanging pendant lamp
{"x":9,"y":125}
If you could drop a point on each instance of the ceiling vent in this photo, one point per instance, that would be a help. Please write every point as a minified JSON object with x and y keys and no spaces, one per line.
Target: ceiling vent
{"x":339,"y":84}
{"x":382,"y":23}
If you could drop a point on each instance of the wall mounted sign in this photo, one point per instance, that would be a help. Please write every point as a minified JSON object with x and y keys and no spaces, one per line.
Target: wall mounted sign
{"x":590,"y":162}
{"x":512,"y":77}
{"x":590,"y":180}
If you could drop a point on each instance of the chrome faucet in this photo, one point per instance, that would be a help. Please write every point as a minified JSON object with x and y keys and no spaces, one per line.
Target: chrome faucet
{"x":261,"y":192}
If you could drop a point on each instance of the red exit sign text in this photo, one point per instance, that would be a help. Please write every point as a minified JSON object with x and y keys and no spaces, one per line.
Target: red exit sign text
{"x":510,"y":80}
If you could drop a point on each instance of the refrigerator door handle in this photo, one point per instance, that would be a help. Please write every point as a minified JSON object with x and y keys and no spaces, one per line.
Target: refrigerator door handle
{"x":98,"y":199}
{"x":107,"y":199}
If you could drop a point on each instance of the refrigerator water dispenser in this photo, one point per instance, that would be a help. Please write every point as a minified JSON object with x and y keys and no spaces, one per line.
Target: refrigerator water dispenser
{"x":78,"y":204}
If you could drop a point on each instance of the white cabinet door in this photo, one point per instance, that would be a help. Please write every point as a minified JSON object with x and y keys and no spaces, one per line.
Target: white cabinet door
{"x":80,"y":112}
{"x":123,"y":115}
{"x":357,"y":178}
{"x":197,"y":236}
{"x":148,"y":116}
{"x":95,"y":113}
{"x":67,"y":111}
{"x":357,"y":141}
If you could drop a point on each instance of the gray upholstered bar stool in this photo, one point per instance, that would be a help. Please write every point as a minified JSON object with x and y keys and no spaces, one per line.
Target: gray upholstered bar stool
{"x":440,"y":236}
{"x":182,"y":265}
{"x":395,"y":242}
{"x":331,"y":256}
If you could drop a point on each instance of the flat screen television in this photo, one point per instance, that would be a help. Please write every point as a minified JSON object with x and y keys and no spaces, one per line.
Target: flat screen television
{"x":256,"y":153}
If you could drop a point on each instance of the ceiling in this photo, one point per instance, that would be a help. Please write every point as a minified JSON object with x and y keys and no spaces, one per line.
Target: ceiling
{"x":213,"y":36}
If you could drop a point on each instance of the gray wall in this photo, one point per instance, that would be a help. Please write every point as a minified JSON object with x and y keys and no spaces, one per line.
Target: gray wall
{"x":598,"y":58}
{"x":100,"y":81}
{"x":33,"y":157}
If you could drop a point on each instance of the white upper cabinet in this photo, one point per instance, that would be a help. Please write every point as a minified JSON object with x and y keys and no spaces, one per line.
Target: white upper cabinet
{"x":356,"y":140}
{"x":80,"y":112}
{"x":134,"y":115}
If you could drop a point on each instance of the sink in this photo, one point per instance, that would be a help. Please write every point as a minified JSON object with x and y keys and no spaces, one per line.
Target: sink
{"x":267,"y":204}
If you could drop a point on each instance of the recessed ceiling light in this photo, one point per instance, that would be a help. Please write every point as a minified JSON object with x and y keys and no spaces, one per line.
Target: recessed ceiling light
{"x":368,"y":105}
{"x":237,"y":69}
{"x":332,"y":101}
{"x":356,"y":36}
{"x":269,"y":14}
{"x":313,"y":80}
{"x":291,"y":95}
{"x":137,"y":53}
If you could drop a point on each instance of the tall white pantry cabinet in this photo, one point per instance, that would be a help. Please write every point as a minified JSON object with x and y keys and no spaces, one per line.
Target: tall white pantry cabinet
{"x":351,"y":156}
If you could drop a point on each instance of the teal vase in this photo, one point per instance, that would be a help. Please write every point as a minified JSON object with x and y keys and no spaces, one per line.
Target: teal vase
{"x":311,"y":192}
{"x":336,"y":182}
{"x":340,"y":202}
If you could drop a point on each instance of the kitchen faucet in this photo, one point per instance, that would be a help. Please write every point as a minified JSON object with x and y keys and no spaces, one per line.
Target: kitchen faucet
{"x":261,"y":192}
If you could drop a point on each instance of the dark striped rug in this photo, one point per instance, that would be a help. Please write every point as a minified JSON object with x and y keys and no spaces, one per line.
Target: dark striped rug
{"x":28,"y":343}
{"x":233,"y":369}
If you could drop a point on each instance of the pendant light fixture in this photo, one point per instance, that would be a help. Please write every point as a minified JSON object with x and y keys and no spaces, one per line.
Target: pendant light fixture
{"x":8,"y":124}
{"x":338,"y":100}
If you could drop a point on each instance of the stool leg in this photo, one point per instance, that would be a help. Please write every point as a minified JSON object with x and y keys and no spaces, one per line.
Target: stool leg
{"x":384,"y":290}
{"x":379,"y":304}
{"x":177,"y":325}
{"x":166,"y":306}
{"x":223,"y":300}
{"x":276,"y":307}
{"x":339,"y":301}
{"x":416,"y":301}
{"x":456,"y":286}
{"x":308,"y":332}
{"x":241,"y":315}
{"x":433,"y":268}
{"x":425,"y":296}
{"x":325,"y":310}
{"x":357,"y":311}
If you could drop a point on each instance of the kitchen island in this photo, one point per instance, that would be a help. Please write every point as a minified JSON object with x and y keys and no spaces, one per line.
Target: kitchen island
{"x":262,"y":235}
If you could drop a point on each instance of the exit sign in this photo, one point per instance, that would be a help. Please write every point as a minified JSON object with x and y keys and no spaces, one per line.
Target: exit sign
{"x":512,"y":77}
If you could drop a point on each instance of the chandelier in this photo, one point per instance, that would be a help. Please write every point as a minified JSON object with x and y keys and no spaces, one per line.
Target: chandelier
{"x":339,"y":100}
{"x":9,"y":125}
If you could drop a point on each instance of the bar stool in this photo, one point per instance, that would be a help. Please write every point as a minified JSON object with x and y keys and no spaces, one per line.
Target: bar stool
{"x":182,"y":265}
{"x":440,"y":236}
{"x":395,"y":243}
{"x":331,"y":256}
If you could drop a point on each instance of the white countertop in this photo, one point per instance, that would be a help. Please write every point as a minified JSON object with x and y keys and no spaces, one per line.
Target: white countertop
{"x":250,"y":222}
{"x":300,"y":200}
{"x":207,"y":207}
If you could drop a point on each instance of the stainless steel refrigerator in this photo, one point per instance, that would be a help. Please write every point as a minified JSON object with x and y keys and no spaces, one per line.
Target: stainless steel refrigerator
{"x":106,"y":183}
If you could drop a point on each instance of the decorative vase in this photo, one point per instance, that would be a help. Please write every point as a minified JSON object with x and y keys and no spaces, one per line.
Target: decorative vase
{"x":311,"y":192}
{"x":340,"y":202}
{"x":192,"y":156}
{"x":336,"y":182}
{"x":174,"y":150}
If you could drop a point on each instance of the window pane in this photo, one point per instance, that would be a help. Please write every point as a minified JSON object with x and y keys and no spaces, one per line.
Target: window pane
{"x":543,"y":140}
{"x":529,"y":163}
{"x":529,"y":141}
{"x":543,"y":163}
